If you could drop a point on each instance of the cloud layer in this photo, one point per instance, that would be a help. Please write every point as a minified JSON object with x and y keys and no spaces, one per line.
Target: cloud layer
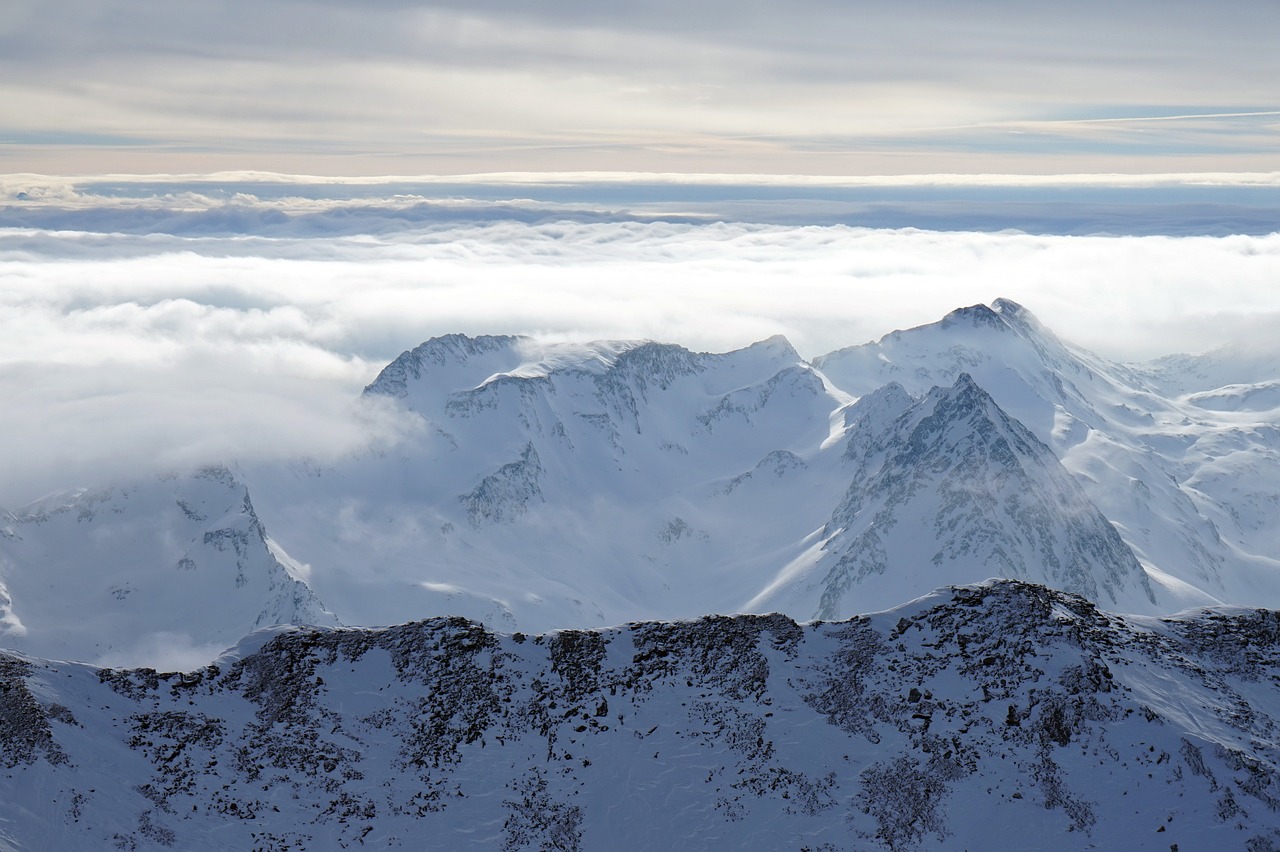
{"x":275,"y":206}
{"x":128,"y":352}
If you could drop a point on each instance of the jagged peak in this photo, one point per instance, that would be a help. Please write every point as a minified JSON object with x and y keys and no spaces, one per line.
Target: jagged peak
{"x":889,"y":416}
{"x":776,"y":345}
{"x":440,"y":351}
{"x":656,"y":362}
{"x":541,"y":359}
{"x":959,"y":447}
{"x":1002,"y":314}
{"x":648,"y":349}
{"x":963,"y":389}
{"x":643,"y":359}
{"x":1021,"y":320}
{"x":975,"y":315}
{"x":466,"y":343}
{"x":1009,"y":308}
{"x":967,"y":400}
{"x":458,"y":347}
{"x":886,"y":401}
{"x":218,"y":473}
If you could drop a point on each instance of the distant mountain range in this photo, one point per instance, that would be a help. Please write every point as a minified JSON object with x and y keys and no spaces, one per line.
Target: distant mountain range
{"x":554,"y":486}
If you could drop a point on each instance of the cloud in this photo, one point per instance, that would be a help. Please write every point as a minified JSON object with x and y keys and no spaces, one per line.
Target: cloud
{"x":165,"y":651}
{"x":458,"y":87}
{"x":129,"y":353}
{"x":68,"y":425}
{"x":273,"y":206}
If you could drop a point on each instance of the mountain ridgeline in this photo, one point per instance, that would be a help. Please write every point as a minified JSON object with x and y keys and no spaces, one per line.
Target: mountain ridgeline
{"x":973,"y":718}
{"x":571,"y":485}
{"x":627,"y":579}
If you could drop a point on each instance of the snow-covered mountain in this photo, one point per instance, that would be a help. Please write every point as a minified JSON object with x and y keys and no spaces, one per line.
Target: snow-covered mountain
{"x":572,"y":485}
{"x":953,"y":487}
{"x":996,"y":716}
{"x":554,"y":486}
{"x":167,"y":572}
{"x":620,"y":481}
{"x":1188,"y":469}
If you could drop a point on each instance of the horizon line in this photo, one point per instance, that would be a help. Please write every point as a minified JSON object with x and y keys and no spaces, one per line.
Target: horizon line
{"x":533,"y":178}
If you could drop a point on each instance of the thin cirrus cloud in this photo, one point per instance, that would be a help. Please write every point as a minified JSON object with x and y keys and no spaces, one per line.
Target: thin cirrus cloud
{"x":169,"y":346}
{"x":810,"y":87}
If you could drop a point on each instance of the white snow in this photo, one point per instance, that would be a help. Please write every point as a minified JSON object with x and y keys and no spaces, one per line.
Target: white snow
{"x":565,"y":484}
{"x":994,"y":716}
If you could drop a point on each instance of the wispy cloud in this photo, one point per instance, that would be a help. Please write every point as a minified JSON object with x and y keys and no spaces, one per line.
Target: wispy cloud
{"x":1184,"y":117}
{"x":498,"y":86}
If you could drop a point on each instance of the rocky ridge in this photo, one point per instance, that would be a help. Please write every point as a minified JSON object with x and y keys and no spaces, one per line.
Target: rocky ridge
{"x":971,"y":718}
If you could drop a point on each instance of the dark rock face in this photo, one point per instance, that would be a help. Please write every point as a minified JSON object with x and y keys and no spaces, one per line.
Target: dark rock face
{"x":25,"y":734}
{"x":507,"y":492}
{"x":965,"y":719}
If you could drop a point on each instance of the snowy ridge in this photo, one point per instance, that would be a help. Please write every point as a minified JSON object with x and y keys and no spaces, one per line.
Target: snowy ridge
{"x":452,"y":361}
{"x":974,"y":717}
{"x":588,"y":455}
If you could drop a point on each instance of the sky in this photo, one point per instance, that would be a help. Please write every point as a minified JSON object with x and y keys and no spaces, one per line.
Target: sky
{"x":812,"y":87}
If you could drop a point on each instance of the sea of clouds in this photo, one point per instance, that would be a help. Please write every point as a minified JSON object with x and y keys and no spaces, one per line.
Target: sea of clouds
{"x":149,"y":328}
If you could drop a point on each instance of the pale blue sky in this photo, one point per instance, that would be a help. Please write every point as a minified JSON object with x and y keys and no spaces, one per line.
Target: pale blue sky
{"x":803,"y":87}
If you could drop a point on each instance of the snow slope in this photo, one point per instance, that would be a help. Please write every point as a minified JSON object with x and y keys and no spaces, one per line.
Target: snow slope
{"x":996,"y":716}
{"x":165,"y":572}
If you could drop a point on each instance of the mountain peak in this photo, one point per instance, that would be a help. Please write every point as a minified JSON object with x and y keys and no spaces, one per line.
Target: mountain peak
{"x":182,"y":565}
{"x":873,"y":412}
{"x":776,"y":345}
{"x":1002,"y":315}
{"x":1008,"y":308}
{"x":967,"y":401}
{"x":975,"y":315}
{"x":450,"y":350}
{"x":1023,"y":321}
